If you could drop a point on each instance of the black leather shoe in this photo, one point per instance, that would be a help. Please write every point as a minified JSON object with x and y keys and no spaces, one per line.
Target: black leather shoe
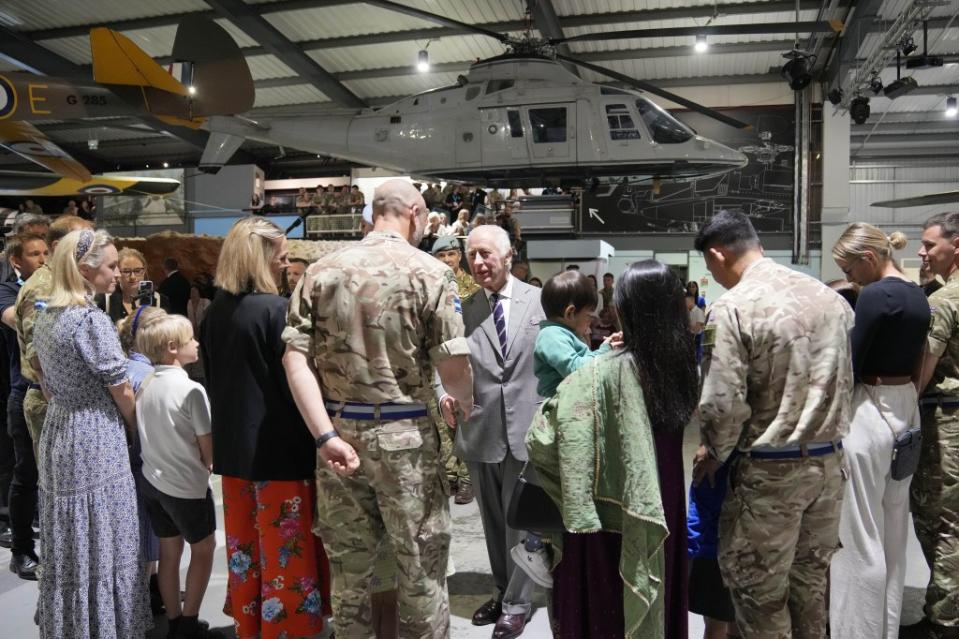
{"x":510,"y":626}
{"x":6,"y":536}
{"x":24,"y":566}
{"x":488,"y":613}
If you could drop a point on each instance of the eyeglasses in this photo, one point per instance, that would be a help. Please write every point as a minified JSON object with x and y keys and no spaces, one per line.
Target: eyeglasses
{"x":127,"y":272}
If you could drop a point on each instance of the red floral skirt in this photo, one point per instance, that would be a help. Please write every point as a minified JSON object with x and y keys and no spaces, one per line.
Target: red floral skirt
{"x":279,"y":576}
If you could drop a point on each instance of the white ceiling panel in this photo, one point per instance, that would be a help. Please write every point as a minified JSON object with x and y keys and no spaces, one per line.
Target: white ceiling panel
{"x":375,"y":56}
{"x":400,"y":86}
{"x":297,"y":94}
{"x":28,"y":15}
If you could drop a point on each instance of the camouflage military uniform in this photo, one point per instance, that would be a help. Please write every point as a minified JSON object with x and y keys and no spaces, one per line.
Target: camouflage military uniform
{"x":37,"y":288}
{"x":457,"y":471}
{"x":778,"y":373}
{"x":373,"y":318}
{"x":935,"y":486}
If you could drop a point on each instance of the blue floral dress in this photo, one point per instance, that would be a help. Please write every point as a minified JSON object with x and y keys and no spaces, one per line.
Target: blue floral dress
{"x":93,"y":583}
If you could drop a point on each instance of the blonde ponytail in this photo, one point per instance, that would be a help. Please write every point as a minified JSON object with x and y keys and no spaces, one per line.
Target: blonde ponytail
{"x":860,"y":238}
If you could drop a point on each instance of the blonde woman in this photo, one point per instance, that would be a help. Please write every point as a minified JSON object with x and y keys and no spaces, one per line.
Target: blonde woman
{"x":892,"y":318}
{"x":265,"y":453}
{"x":92,"y":583}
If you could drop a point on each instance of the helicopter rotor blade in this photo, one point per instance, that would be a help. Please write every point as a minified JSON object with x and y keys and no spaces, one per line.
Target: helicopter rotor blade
{"x":649,"y":88}
{"x":831,"y":26}
{"x":946,"y":197}
{"x":438,"y":19}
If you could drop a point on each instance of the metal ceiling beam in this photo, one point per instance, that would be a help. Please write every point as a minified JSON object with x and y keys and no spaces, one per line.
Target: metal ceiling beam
{"x":247,"y":18}
{"x":863,"y":22}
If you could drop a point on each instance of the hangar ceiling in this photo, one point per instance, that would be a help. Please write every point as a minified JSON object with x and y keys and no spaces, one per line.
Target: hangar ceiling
{"x":310,"y":55}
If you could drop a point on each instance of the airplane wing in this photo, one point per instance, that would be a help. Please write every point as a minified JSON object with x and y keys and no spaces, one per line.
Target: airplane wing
{"x":27,"y":141}
{"x":22,"y":183}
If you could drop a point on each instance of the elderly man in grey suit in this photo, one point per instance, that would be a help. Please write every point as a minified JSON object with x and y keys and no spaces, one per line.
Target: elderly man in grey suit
{"x":502,"y":323}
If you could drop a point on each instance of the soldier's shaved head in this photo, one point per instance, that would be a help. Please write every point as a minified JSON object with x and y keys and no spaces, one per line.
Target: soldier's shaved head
{"x":399,"y":207}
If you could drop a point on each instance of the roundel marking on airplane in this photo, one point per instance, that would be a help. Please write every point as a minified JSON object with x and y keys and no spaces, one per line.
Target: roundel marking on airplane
{"x":8,"y":98}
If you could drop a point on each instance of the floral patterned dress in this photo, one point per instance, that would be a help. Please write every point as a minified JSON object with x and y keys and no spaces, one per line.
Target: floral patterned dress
{"x":93,"y":583}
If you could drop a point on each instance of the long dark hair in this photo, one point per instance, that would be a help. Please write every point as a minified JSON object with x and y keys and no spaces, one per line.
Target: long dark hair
{"x":651,"y":304}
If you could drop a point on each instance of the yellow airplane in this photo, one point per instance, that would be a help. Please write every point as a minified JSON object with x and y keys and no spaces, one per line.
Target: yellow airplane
{"x":126,"y":81}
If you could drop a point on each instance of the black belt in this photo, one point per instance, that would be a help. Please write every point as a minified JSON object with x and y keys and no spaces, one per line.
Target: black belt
{"x":387,"y":411}
{"x":942,"y":401}
{"x":797,"y":451}
{"x":32,"y":386}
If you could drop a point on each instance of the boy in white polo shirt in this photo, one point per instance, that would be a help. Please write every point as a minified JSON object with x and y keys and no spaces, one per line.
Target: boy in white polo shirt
{"x":173,"y":419}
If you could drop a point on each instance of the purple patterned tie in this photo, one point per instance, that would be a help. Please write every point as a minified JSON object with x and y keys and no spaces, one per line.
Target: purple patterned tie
{"x":500,"y":320}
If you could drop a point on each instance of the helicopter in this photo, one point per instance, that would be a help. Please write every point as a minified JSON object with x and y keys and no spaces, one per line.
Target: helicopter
{"x":515,"y":120}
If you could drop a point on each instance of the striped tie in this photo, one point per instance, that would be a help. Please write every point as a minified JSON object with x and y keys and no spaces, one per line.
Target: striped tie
{"x":500,"y":320}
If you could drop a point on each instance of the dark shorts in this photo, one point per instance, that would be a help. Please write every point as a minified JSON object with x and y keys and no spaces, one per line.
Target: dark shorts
{"x":708,"y":595}
{"x":193,"y":519}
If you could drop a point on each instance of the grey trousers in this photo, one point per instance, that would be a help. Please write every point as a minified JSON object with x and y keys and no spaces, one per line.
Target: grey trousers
{"x":493,"y":485}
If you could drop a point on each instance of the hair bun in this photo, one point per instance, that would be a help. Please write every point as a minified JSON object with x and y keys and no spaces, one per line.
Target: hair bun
{"x":898,"y":240}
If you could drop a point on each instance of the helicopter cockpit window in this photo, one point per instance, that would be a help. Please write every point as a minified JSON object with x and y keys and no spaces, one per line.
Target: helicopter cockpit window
{"x":515,"y":124}
{"x":498,"y":85}
{"x":472,"y":92}
{"x":548,"y":125}
{"x":621,"y":125}
{"x":664,"y":128}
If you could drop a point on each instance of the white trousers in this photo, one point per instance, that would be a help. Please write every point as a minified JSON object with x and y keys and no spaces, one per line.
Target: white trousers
{"x":868,"y":571}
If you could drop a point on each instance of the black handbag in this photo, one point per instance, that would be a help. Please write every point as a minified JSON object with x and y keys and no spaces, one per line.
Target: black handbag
{"x":905,"y":454}
{"x":905,"y":448}
{"x":530,"y":508}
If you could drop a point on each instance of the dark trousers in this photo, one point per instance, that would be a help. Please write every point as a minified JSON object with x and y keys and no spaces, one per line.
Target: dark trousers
{"x":7,"y":461}
{"x":23,"y":488}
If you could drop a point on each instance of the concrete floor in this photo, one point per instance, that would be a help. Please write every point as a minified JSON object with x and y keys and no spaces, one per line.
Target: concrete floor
{"x":469,"y":587}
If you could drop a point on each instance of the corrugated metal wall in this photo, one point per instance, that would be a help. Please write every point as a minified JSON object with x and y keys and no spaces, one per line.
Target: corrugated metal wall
{"x":874,"y":182}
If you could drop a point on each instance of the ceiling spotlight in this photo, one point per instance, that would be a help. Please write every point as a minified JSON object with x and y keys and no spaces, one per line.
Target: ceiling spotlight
{"x":166,"y":165}
{"x":796,"y":71}
{"x":423,"y":61}
{"x":835,"y":96}
{"x":907,"y":46}
{"x":93,"y":144}
{"x":875,"y":85}
{"x":191,"y":90}
{"x":900,"y":87}
{"x":951,"y":109}
{"x":859,"y":109}
{"x":701,"y":45}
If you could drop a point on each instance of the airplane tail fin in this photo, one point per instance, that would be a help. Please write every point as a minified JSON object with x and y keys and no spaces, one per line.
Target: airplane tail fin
{"x":220,"y":147}
{"x":214,"y":76}
{"x":117,"y":60}
{"x":224,"y":85}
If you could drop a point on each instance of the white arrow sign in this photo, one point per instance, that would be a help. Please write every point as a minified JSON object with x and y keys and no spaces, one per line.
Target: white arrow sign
{"x":594,"y":213}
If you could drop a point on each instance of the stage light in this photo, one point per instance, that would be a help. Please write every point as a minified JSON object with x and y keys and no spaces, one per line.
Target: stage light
{"x":900,"y":87}
{"x":859,"y":109}
{"x":875,"y":85}
{"x":796,"y":73}
{"x":835,"y":96}
{"x":951,"y":109}
{"x":423,"y":61}
{"x":701,"y":45}
{"x":907,"y":46}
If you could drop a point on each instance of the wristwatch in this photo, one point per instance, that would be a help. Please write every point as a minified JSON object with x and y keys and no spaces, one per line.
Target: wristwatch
{"x":325,"y":437}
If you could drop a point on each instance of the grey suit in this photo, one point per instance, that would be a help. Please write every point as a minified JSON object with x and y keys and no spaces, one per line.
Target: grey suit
{"x":492,"y":442}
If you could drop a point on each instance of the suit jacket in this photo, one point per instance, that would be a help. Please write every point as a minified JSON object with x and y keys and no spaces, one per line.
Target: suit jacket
{"x":504,"y":389}
{"x":176,"y":288}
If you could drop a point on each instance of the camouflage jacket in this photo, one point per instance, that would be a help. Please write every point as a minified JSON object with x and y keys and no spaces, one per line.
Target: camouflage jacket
{"x":374,"y":317}
{"x":943,"y":339}
{"x":466,"y":285}
{"x":777,"y":363}
{"x":37,"y":288}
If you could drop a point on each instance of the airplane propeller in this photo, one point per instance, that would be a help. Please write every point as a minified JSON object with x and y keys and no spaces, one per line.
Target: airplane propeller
{"x":547,"y":47}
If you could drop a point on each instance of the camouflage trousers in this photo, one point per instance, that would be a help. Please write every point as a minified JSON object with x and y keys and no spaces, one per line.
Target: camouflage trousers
{"x":35,"y":411}
{"x":457,"y":472}
{"x":778,"y":530}
{"x":399,"y":497}
{"x":935,"y":511}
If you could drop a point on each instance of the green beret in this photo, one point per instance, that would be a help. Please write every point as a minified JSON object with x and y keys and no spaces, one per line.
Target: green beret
{"x":446,"y":243}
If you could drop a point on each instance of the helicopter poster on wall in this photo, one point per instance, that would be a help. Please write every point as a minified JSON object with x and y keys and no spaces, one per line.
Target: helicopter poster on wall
{"x":763,"y":189}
